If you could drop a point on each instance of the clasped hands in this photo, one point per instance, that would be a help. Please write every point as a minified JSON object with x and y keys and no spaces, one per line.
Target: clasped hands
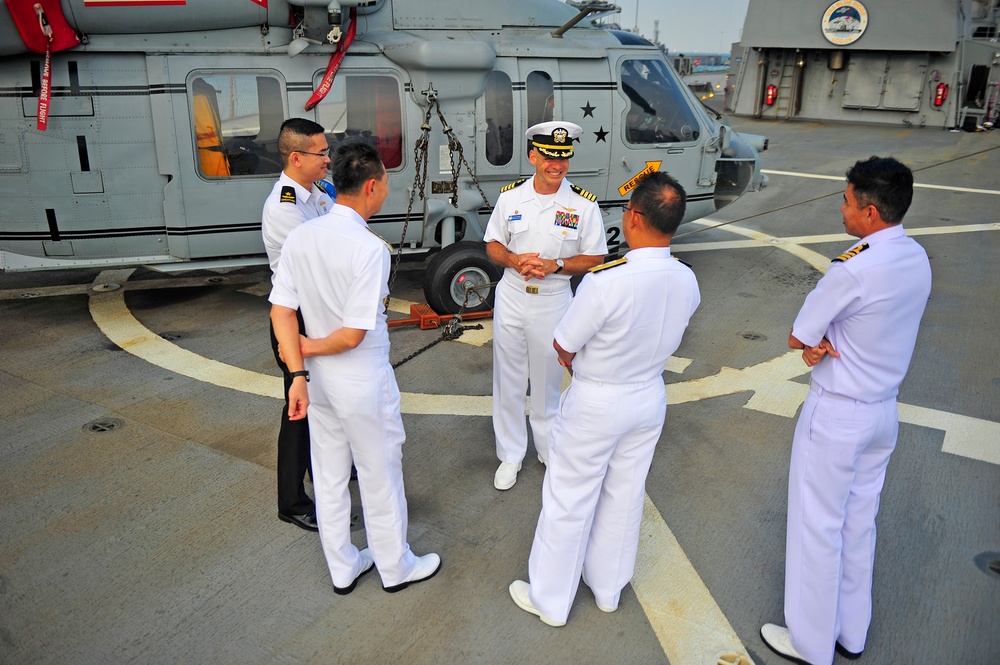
{"x":813,"y":354}
{"x":532,"y":265}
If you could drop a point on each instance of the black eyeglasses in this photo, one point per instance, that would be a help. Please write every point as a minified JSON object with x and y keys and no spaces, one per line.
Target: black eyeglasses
{"x":324,"y":153}
{"x":631,"y":210}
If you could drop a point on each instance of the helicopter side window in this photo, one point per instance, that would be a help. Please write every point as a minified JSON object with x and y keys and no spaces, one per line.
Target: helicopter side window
{"x":367,"y":108}
{"x":541,"y":98}
{"x":236,"y":122}
{"x":659,"y":111}
{"x":499,"y":105}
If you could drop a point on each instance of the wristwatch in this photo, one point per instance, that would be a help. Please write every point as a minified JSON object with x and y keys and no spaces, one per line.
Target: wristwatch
{"x":559,"y":262}
{"x":301,"y":372}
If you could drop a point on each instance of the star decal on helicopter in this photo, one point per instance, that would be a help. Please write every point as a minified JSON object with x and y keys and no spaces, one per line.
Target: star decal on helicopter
{"x":588,"y":110}
{"x":601,"y":134}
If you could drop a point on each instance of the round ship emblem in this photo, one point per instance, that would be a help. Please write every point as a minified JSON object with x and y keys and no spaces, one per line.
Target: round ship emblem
{"x":844,"y":22}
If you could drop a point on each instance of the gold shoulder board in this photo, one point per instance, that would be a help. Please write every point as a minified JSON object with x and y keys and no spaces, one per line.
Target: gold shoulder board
{"x":287,"y":194}
{"x":675,"y":258}
{"x":851,"y":253}
{"x":609,"y":264}
{"x":513,"y":185}
{"x":388,"y":246}
{"x":585,"y":194}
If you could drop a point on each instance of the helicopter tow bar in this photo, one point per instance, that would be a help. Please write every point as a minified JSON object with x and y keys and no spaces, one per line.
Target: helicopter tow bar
{"x":421,"y":314}
{"x":427,"y":319}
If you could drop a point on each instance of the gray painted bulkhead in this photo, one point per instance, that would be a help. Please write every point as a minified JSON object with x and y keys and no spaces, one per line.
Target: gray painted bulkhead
{"x":888,"y":76}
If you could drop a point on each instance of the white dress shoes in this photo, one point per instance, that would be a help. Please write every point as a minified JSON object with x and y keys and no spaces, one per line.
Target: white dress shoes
{"x":426,"y":567}
{"x":519,"y":592}
{"x":849,"y":655}
{"x":506,"y":475}
{"x":604,"y":608}
{"x":367,"y":563}
{"x":779,"y":640}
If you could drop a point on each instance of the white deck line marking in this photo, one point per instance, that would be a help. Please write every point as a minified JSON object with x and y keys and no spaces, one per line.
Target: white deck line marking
{"x":968,"y":437}
{"x":683,"y":613}
{"x":677,"y":365}
{"x":770,"y":382}
{"x":681,"y":610}
{"x":113,"y":317}
{"x":815,"y":259}
{"x":765,"y":240}
{"x":840,"y":178}
{"x":774,"y":392}
{"x":689,"y":624}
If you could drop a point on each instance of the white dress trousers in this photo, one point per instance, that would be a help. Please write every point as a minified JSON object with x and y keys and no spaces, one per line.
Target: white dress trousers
{"x":523,"y":327}
{"x":594,"y":491}
{"x":354,"y":416}
{"x":869,"y":306}
{"x":840,"y":453}
{"x":562,"y":225}
{"x":335,"y":270}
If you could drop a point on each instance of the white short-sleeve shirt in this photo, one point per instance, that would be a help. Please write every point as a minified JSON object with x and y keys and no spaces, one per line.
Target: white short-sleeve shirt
{"x":626,"y":321}
{"x":869,"y":306}
{"x":288,"y":205}
{"x":564,"y":225}
{"x":336,"y":271}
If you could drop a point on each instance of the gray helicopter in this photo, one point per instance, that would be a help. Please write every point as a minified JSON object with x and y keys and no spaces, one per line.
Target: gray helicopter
{"x":144,"y":132}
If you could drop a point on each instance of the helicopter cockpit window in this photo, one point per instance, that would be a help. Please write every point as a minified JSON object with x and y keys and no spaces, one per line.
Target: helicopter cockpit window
{"x":541,"y":98}
{"x":499,"y":104}
{"x":365,"y":107}
{"x":659,"y":111}
{"x":236,"y":122}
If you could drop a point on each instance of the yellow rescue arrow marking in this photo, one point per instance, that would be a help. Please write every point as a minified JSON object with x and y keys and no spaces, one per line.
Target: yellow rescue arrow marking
{"x":630,"y":185}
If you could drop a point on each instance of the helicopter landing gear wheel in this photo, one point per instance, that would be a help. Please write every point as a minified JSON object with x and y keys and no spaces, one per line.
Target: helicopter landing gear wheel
{"x":455,"y":269}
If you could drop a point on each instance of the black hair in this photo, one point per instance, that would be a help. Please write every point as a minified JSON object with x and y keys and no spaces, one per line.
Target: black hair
{"x":354,"y":163}
{"x":885,"y":183}
{"x":661,"y":200}
{"x":296,"y":134}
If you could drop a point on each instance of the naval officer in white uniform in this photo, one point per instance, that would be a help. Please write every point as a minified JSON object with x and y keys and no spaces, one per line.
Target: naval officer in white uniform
{"x":543,"y":231}
{"x":857,"y":330}
{"x":336,"y":270}
{"x":295,"y":198}
{"x":626,"y":320}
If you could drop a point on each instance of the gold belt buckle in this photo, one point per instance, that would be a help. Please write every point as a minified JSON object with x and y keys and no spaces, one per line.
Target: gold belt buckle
{"x":531,"y":289}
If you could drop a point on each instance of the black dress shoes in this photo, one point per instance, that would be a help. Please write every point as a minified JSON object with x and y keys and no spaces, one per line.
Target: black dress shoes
{"x":849,"y":655}
{"x":307,"y":522}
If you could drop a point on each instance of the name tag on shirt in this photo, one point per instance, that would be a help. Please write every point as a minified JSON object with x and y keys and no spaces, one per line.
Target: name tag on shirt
{"x":567,"y":220}
{"x":514,"y":218}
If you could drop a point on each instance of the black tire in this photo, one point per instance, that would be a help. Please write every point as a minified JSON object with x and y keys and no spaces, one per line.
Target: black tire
{"x":451,"y":269}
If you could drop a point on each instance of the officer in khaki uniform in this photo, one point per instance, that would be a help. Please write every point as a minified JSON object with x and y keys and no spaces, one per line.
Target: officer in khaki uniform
{"x":626,"y":320}
{"x":543,"y":231}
